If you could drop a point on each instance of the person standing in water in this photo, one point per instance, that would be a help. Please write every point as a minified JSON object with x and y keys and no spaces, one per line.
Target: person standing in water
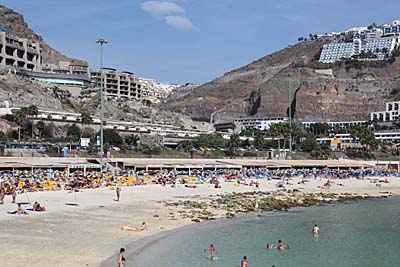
{"x":316,"y":230}
{"x":244,"y":263}
{"x":121,"y":258}
{"x":212,"y":251}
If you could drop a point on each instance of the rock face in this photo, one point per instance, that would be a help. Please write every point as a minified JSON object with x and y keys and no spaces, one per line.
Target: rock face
{"x":346,"y":91}
{"x":23,"y":93}
{"x":14,"y":21}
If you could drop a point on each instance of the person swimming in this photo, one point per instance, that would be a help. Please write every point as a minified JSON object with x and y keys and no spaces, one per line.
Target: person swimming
{"x":270,"y":246}
{"x":282,"y":246}
{"x":244,"y":262}
{"x":316,"y":230}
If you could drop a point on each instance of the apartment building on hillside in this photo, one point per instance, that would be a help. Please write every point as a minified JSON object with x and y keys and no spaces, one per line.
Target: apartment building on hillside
{"x":392,"y":29}
{"x":377,"y":49}
{"x":67,"y":67}
{"x":390,"y":114}
{"x":18,"y":52}
{"x":118,"y":85}
{"x":260,"y":123}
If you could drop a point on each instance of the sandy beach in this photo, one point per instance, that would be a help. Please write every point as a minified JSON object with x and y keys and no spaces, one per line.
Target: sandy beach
{"x":89,"y":234}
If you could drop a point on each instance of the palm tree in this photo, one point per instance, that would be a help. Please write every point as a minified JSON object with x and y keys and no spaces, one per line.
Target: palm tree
{"x":259,"y":141}
{"x":40,"y":126}
{"x":20,"y":118}
{"x":32,"y":110}
{"x":86,"y":118}
{"x":234,"y":141}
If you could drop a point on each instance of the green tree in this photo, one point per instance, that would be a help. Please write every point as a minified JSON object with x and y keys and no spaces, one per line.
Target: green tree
{"x":86,"y":118}
{"x":259,"y":141}
{"x":73,"y":133}
{"x":32,"y":110}
{"x":310,"y":144}
{"x":234,"y":141}
{"x":3,"y":137}
{"x":40,"y":125}
{"x":20,"y":118}
{"x":132,"y":140}
{"x":245,"y":143}
{"x":112,"y":137}
{"x":365,"y":136}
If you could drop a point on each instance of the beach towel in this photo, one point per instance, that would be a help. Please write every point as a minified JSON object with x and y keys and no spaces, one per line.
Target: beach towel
{"x":12,"y":212}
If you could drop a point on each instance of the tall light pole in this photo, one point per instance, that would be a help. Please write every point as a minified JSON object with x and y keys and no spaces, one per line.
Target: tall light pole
{"x":101,"y":41}
{"x":290,"y":116}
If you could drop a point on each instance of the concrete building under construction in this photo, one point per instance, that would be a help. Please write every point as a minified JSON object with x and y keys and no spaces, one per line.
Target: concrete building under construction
{"x":118,"y":85}
{"x":18,"y":52}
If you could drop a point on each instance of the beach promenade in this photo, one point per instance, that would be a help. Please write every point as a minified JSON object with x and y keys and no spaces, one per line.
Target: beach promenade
{"x":89,"y":234}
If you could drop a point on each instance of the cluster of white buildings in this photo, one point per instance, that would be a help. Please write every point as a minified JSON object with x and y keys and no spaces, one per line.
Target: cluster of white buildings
{"x":390,"y":114}
{"x":367,"y":43}
{"x":259,"y":123}
{"x":377,"y":49}
{"x":156,"y":91}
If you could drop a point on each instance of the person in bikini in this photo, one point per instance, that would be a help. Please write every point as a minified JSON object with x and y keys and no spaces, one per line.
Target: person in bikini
{"x":121,"y":258}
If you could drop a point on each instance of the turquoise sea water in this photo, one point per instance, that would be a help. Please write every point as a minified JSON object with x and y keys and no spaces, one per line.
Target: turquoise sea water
{"x":365,"y":233}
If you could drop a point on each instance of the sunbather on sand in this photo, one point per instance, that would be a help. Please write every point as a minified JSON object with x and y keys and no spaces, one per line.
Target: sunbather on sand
{"x":37,"y":207}
{"x":21,"y":210}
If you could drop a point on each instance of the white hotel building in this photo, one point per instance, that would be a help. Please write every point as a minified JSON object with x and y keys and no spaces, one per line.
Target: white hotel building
{"x":391,"y":112}
{"x":333,"y":52}
{"x":260,"y":123}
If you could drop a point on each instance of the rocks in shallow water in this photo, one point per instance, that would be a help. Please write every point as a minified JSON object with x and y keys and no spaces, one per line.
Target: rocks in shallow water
{"x":234,"y":203}
{"x":230,"y":215}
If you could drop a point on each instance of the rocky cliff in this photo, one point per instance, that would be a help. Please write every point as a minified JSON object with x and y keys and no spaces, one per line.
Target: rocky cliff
{"x":346,"y":91}
{"x":15,"y":21}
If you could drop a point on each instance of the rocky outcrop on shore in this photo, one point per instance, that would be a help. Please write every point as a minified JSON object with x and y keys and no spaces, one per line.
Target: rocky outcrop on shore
{"x":228,"y":205}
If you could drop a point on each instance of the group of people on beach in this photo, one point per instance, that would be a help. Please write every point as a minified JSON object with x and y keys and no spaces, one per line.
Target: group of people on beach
{"x":12,"y":182}
{"x":22,"y":211}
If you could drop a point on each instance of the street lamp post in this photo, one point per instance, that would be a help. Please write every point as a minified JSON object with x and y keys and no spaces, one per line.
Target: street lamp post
{"x":290,"y":117}
{"x":101,"y":41}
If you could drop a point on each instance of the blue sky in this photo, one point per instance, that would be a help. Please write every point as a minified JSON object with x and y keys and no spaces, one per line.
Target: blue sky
{"x":190,"y":40}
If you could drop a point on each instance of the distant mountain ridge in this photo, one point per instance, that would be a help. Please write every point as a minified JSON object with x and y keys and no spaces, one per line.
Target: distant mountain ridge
{"x":344,"y":91}
{"x":15,"y":21}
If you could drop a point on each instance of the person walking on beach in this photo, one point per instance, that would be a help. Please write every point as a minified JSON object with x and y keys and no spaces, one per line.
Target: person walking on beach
{"x":13,"y":193}
{"x":316,"y":230}
{"x":121,"y":258}
{"x":2,"y":193}
{"x":244,"y":263}
{"x":118,"y":191}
